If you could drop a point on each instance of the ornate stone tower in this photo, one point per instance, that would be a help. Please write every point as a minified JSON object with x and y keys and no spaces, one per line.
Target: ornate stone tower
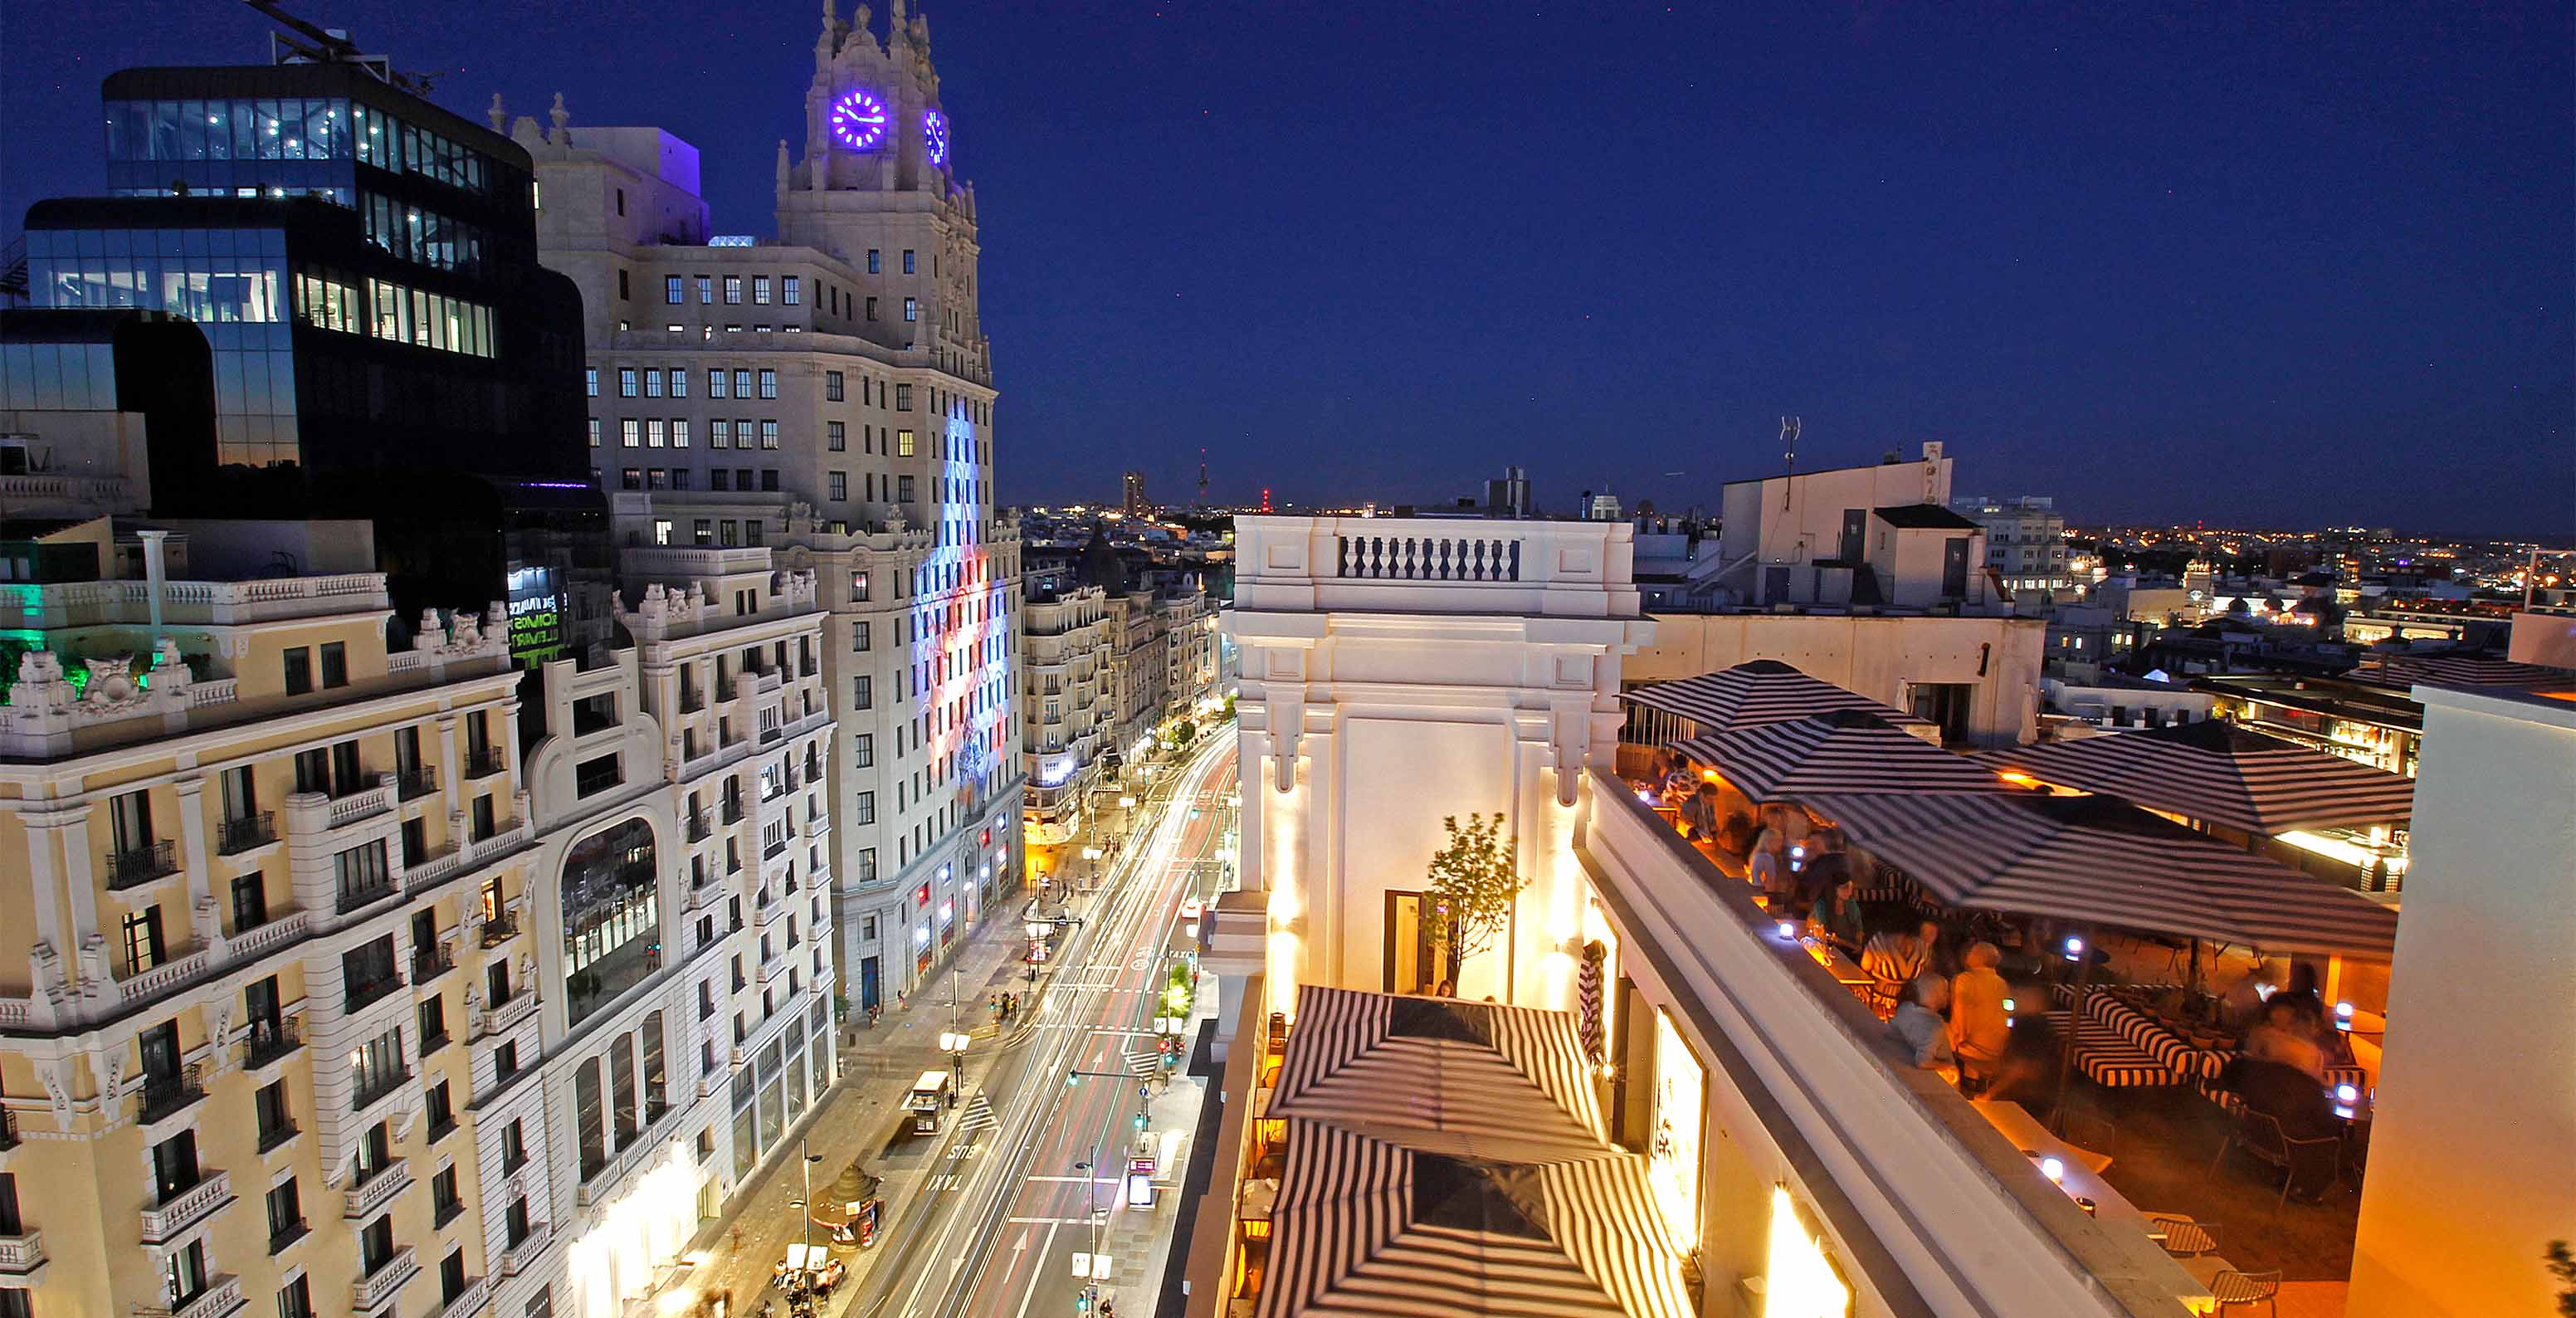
{"x":875,"y":187}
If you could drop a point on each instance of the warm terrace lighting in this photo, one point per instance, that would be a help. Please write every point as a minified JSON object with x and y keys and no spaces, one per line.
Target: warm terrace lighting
{"x":2018,"y":779}
{"x":1788,"y":930}
{"x":1798,"y":1281}
{"x":2343,"y":1015}
{"x":2074,"y":949}
{"x":2054,"y":1170}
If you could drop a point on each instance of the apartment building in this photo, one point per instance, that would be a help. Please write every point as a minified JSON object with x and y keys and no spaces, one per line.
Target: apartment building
{"x":268,"y":994}
{"x":827,"y":395}
{"x":2025,"y":539}
{"x":1860,"y":537}
{"x":1067,"y":692}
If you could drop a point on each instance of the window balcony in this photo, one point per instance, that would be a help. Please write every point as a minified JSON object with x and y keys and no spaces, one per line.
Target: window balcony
{"x":702,"y":825}
{"x":468,"y":1301}
{"x":359,"y":897}
{"x":379,"y":1287}
{"x":164,"y":1221}
{"x":370,"y":991}
{"x":733,"y":811}
{"x":247,"y":833}
{"x":521,"y":1256}
{"x":366,"y":1198}
{"x":500,"y":929}
{"x":278,"y":1134}
{"x":414,"y":783}
{"x":221,"y":1297}
{"x":485,"y":763}
{"x":163,"y":1095}
{"x":505,"y":1016}
{"x":428,"y":963}
{"x":8,"y":1129}
{"x":369,"y":1095}
{"x":134,"y":867}
{"x":21,"y":1254}
{"x":271,"y":1040}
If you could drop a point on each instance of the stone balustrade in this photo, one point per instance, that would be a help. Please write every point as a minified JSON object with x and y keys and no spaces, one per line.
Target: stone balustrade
{"x":374,"y":1290}
{"x":164,"y":1221}
{"x":364,"y":1199}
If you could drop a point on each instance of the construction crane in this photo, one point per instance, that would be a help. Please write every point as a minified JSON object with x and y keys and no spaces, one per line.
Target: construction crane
{"x":322,"y":45}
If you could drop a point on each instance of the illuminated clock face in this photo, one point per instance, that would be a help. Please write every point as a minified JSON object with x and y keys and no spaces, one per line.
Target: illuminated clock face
{"x":859,"y":120}
{"x":934,"y":134}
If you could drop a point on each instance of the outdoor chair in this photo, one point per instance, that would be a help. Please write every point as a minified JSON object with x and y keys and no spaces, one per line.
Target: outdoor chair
{"x":2185,"y":1237}
{"x":2260,"y":1134}
{"x":2233,"y":1290}
{"x":2087,"y":1128}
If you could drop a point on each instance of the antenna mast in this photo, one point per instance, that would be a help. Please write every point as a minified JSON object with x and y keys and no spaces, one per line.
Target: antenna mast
{"x":326,"y":46}
{"x":1788,"y":453}
{"x":1203,"y":478}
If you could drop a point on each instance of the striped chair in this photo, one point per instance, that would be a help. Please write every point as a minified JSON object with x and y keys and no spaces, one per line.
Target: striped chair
{"x":2120,"y":1046}
{"x":2233,"y":1290}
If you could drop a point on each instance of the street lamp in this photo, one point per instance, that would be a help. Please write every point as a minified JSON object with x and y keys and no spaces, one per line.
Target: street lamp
{"x":1091,"y":855}
{"x":806,"y":1204}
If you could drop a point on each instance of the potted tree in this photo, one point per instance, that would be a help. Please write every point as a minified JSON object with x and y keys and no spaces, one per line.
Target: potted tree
{"x":1474,"y":882}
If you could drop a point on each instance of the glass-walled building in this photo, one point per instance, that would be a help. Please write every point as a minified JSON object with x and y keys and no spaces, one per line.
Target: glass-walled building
{"x":363,"y":263}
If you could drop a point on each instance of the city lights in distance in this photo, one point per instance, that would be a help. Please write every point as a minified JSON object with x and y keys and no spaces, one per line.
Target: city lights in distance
{"x":858,"y":120}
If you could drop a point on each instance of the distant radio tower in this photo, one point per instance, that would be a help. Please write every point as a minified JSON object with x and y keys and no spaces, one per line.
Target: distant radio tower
{"x":1788,"y":452}
{"x":1265,"y":498}
{"x":1203,"y":478}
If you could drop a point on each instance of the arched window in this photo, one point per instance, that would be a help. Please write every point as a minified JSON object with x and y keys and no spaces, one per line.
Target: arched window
{"x":612,"y":933}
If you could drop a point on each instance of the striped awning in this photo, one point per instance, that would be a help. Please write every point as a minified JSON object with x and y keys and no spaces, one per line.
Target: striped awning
{"x":1843,"y":751}
{"x":2220,"y":773}
{"x":1453,"y":1077}
{"x":2466,"y":670}
{"x":1754,"y":692}
{"x":1365,"y":1225}
{"x":2100,"y":861}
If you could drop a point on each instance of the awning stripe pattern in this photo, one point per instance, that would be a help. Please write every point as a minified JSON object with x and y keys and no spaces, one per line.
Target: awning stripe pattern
{"x":2099,"y":861}
{"x":1394,"y":1202}
{"x":1844,"y":751}
{"x":2220,"y":775}
{"x":1757,"y":691}
{"x":2466,"y":670}
{"x":1459,"y":1077}
{"x":1367,"y":1226}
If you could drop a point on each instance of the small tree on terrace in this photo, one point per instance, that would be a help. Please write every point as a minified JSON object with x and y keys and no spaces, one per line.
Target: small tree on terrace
{"x":1475,"y":880}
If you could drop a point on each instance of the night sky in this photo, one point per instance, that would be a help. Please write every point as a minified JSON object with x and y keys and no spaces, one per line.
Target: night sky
{"x":2259,"y":265}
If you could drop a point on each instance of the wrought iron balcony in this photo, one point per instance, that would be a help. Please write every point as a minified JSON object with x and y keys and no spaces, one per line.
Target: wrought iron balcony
{"x":702,"y":825}
{"x":500,"y":929}
{"x":166,"y":1094}
{"x":370,"y":1094}
{"x":356,"y":897}
{"x":416,"y":782}
{"x":132,"y":867}
{"x":430,"y":962}
{"x":368,"y":991}
{"x":485,"y":763}
{"x":246,"y":832}
{"x":272,"y":1039}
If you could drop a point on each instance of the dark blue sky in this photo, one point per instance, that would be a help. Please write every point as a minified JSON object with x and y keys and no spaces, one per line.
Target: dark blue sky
{"x":2257,"y":264}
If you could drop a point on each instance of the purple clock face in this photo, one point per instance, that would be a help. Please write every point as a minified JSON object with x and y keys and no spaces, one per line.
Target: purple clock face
{"x":934,"y":135}
{"x":859,"y":120}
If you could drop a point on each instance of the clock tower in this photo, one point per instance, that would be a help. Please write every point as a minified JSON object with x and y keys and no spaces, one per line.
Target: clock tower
{"x":875,"y":187}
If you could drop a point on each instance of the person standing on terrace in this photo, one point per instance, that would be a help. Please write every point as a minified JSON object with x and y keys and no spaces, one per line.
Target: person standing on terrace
{"x":1898,"y":955}
{"x":1980,"y":1028}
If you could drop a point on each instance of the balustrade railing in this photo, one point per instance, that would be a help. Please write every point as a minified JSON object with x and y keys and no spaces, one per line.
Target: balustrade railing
{"x":131,"y":867}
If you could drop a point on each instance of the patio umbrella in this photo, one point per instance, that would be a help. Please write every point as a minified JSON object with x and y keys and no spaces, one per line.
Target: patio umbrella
{"x":2220,"y":773}
{"x":2100,"y":861}
{"x":1370,"y":1226}
{"x":1754,"y":692}
{"x":1454,"y":1077}
{"x":1846,"y":750}
{"x":2466,"y":670}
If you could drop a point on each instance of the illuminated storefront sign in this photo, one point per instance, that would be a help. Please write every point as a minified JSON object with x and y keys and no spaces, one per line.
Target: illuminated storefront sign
{"x":1681,"y":1107}
{"x":1799,"y":1281}
{"x":536,"y":617}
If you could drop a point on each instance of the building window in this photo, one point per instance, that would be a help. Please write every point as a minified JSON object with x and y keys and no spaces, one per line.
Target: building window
{"x":867,"y":865}
{"x":912,"y":309}
{"x":840,"y":486}
{"x":742,"y":384}
{"x":859,"y":637}
{"x":652,"y":383}
{"x":299,"y":670}
{"x":294,"y":1299}
{"x":733,"y":290}
{"x":626,"y":382}
{"x":836,"y":436}
{"x":768,"y":383}
{"x":610,"y":921}
{"x":903,"y":441}
{"x":907,"y":261}
{"x":597,"y":774}
{"x":590,"y":381}
{"x":867,"y":811}
{"x":653,"y":432}
{"x":624,"y":292}
{"x":715,"y":384}
{"x":679,"y":438}
{"x":706,"y":291}
{"x":872,"y":308}
{"x":632,"y":478}
{"x":876,"y":262}
{"x":630,"y":432}
{"x":903,"y":401}
{"x":768,"y":439}
{"x":671,"y":290}
{"x":788,"y":291}
{"x":862,"y":692}
{"x":833,"y":383}
{"x":760,"y":290}
{"x":903,"y":489}
{"x":866,"y":754}
{"x":594,"y":432}
{"x":719,"y":432}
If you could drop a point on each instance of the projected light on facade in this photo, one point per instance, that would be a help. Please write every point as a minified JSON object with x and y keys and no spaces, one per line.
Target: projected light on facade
{"x":934,"y":136}
{"x":859,"y":120}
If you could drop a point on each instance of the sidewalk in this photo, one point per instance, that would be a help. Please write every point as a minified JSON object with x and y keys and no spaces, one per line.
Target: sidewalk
{"x":1139,"y":1241}
{"x":858,"y":1118}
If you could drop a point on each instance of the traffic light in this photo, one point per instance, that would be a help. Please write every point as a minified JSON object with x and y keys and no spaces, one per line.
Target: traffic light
{"x":1140,"y":1121}
{"x":1072,"y":1078}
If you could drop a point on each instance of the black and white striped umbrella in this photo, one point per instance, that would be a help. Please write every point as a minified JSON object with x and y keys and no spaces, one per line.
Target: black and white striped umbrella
{"x":1366,"y":1225}
{"x":2097,"y":860}
{"x":2466,"y":670}
{"x":1455,"y":1077}
{"x":1847,"y":750}
{"x":1754,"y":692}
{"x":2219,"y":773}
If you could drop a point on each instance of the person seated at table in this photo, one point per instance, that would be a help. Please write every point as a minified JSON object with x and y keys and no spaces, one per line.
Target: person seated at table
{"x":2285,"y":1039}
{"x":1699,"y":814}
{"x":1918,"y":1025}
{"x":1767,"y":869}
{"x":1827,"y":865}
{"x":1980,"y":1028}
{"x":1896,"y":956}
{"x":1836,"y":915}
{"x":1678,"y":781}
{"x":2293,"y":1098}
{"x":1735,"y":834}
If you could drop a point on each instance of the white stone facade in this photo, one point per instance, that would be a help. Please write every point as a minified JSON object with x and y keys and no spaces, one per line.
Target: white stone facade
{"x":1068,"y":689}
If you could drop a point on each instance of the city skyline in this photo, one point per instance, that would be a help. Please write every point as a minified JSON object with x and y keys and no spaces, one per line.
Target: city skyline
{"x":1706,"y":242}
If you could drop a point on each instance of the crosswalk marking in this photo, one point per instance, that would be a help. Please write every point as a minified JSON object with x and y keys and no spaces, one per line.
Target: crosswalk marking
{"x":978,"y":1114}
